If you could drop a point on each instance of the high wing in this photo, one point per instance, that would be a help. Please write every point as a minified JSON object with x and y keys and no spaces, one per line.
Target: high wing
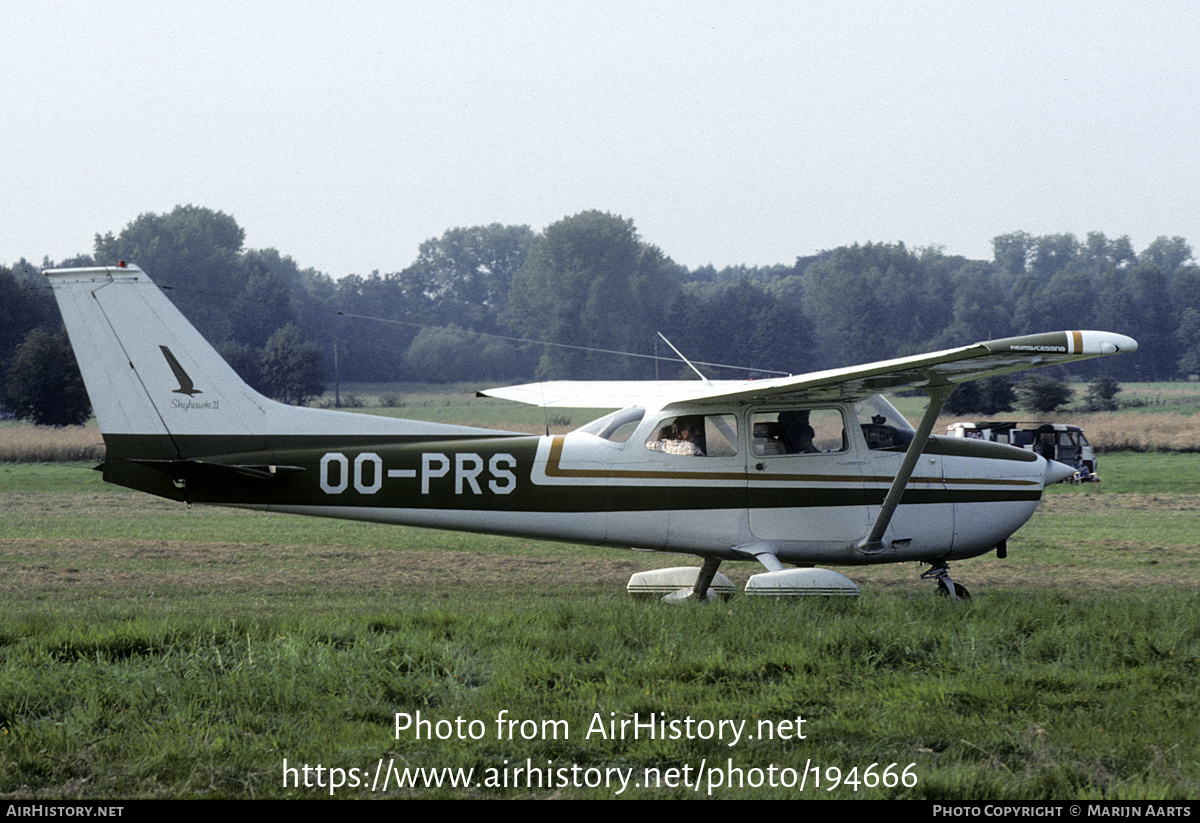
{"x":604,"y":394}
{"x":922,"y":371}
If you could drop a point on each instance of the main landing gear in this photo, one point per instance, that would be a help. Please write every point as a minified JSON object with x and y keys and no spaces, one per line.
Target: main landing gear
{"x":946,"y":587}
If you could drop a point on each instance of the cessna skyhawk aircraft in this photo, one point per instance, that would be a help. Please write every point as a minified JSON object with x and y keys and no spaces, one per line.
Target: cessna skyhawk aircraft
{"x":802,"y":470}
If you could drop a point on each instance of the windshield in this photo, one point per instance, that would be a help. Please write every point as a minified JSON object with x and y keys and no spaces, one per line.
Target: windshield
{"x":875,"y":410}
{"x":617,"y":426}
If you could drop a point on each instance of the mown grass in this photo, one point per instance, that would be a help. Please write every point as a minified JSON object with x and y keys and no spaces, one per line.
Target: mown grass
{"x":1054,"y":696}
{"x":1139,"y":473}
{"x":151,"y":650}
{"x":1181,"y":397}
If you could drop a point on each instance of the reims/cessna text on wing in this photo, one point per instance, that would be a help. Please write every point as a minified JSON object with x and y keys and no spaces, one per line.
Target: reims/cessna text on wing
{"x":804,"y":470}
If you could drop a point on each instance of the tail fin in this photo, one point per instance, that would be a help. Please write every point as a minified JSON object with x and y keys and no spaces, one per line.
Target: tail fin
{"x":166,"y":402}
{"x":146,"y":368}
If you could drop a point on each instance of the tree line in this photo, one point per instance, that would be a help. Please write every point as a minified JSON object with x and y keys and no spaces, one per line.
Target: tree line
{"x":470,"y":303}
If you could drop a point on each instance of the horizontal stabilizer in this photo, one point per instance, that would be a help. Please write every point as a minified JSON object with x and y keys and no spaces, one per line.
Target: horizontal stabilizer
{"x":190,"y":469}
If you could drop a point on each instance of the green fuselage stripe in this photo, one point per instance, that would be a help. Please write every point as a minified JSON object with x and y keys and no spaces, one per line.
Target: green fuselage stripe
{"x":224,"y":477}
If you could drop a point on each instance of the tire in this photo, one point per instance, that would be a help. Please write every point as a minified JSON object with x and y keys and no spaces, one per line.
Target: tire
{"x":959,"y":589}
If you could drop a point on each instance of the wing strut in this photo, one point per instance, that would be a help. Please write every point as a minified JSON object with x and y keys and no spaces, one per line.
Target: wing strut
{"x":873,"y":542}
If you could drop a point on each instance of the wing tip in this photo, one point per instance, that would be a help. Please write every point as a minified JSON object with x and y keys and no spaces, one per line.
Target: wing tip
{"x":1081,"y":343}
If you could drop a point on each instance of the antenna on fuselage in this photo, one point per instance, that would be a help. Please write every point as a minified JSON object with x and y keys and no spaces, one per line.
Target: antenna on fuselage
{"x":707,"y":382}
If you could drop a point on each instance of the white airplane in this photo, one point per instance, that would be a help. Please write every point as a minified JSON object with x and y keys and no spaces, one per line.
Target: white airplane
{"x":803,"y":470}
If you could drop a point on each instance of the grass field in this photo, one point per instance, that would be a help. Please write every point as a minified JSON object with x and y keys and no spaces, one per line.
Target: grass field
{"x":152,"y":650}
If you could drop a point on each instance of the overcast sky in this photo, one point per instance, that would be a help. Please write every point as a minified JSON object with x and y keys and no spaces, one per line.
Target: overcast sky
{"x":344,"y":134}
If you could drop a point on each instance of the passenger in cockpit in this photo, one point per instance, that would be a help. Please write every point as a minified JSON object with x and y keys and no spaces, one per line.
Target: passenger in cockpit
{"x":797,"y":434}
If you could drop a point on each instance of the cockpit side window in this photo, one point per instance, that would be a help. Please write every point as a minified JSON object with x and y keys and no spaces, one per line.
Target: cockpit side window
{"x":696,"y":435}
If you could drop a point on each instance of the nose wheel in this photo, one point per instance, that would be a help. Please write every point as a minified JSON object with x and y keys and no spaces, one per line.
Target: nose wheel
{"x":946,"y":587}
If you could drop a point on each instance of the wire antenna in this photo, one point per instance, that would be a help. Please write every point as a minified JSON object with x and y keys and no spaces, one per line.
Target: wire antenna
{"x":707,"y":382}
{"x":527,"y":340}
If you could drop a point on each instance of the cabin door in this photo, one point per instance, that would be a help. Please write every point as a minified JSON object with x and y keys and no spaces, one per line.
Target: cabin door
{"x":804,"y":473}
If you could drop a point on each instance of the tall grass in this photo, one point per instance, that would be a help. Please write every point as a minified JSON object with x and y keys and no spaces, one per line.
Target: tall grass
{"x":1118,"y":431}
{"x":23,"y":443}
{"x":1143,"y":432}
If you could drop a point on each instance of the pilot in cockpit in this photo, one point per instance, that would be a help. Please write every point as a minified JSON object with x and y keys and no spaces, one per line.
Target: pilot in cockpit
{"x":681,"y":437}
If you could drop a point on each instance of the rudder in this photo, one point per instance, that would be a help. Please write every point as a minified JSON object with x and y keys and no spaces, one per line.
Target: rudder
{"x":146,"y":368}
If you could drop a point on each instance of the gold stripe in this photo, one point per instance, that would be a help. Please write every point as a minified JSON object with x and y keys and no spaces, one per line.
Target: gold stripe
{"x":1077,"y":342}
{"x":555,"y":469}
{"x":957,"y":481}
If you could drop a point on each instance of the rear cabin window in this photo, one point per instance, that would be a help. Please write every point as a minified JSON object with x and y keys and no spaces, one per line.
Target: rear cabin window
{"x":797,"y":431}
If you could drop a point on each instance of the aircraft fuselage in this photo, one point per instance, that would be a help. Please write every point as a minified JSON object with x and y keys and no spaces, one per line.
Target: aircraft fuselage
{"x":965,"y":498}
